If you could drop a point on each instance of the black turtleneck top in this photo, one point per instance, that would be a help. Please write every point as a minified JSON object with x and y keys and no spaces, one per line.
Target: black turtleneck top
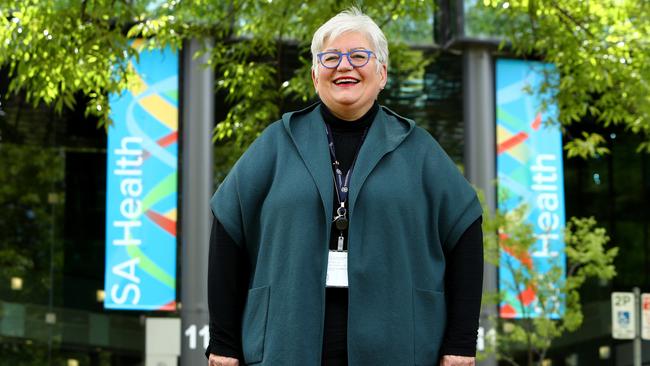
{"x":347,"y":136}
{"x":228,"y":275}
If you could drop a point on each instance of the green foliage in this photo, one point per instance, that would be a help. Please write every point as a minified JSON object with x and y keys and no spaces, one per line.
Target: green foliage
{"x":30,"y":189}
{"x":588,"y":146}
{"x":587,"y":257}
{"x":600,"y":49}
{"x":28,"y":354}
{"x":56,"y":49}
{"x":251,"y":42}
{"x":586,"y":251}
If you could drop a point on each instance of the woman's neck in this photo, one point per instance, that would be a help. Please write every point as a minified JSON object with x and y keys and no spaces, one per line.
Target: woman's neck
{"x":337,"y":123}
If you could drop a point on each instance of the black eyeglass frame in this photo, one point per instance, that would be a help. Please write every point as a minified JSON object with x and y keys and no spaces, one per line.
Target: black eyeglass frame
{"x":346,"y":54}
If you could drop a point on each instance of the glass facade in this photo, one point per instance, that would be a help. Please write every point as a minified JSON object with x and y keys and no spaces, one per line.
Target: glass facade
{"x":433,"y":98}
{"x":52,"y":214}
{"x":52,"y":217}
{"x":614,"y":189}
{"x":480,"y":22}
{"x":468,"y":20}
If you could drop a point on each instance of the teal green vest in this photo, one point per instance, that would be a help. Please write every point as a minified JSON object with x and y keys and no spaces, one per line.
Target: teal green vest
{"x":409,"y":205}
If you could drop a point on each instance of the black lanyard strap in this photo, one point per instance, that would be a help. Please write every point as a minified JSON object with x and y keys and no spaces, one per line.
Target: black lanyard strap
{"x":341,"y":182}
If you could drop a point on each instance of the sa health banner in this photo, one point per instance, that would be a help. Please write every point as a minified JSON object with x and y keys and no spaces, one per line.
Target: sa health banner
{"x":141,"y":189}
{"x":531,"y":179}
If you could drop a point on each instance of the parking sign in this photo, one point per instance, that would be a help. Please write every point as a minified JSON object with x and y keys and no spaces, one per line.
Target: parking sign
{"x":623,"y":315}
{"x":645,"y":316}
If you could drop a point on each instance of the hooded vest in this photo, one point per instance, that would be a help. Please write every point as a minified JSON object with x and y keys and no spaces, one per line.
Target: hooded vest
{"x":408,"y":206}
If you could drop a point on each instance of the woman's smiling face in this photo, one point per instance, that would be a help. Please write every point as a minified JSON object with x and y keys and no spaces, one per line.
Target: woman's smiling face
{"x":347,"y":91}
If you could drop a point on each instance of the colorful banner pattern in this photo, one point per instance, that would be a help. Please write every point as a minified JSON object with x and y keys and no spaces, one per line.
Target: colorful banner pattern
{"x":141,"y":191}
{"x":530,"y":177}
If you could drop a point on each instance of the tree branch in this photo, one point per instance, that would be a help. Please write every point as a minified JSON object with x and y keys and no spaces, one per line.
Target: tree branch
{"x":572,"y":269}
{"x":525,"y":315}
{"x":573,"y":20}
{"x":532,"y":15}
{"x":83,"y":11}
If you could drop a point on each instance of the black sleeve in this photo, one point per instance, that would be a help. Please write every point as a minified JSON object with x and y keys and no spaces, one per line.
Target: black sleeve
{"x":227,"y":288}
{"x":464,"y":287}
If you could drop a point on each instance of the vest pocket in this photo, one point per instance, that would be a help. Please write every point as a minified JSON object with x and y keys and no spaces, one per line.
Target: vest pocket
{"x":429,"y":315}
{"x":254,"y":324}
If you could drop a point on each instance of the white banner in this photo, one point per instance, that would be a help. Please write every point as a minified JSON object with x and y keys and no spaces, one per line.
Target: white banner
{"x":623,"y":315}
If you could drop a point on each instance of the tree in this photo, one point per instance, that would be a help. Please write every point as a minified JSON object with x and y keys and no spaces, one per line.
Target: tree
{"x":251,"y":41}
{"x":587,"y":257}
{"x":54,"y":50}
{"x":600,"y":49}
{"x":57,"y":49}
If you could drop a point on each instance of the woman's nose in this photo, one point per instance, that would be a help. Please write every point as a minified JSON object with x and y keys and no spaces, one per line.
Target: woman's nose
{"x":345,"y":64}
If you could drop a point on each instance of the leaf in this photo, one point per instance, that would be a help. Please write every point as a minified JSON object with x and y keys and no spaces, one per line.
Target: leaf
{"x":589,"y":146}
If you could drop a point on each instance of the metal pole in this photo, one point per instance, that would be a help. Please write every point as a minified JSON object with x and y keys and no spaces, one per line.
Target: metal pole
{"x":196,"y":188}
{"x":637,"y":336}
{"x":480,"y":154}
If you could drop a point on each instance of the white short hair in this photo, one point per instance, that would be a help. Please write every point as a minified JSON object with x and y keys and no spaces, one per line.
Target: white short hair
{"x":351,"y":20}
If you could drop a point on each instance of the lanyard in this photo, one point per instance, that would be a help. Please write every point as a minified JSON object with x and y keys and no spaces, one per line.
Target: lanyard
{"x":342,"y":184}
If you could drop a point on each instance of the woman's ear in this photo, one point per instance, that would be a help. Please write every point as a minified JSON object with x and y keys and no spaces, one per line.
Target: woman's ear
{"x":314,"y":79}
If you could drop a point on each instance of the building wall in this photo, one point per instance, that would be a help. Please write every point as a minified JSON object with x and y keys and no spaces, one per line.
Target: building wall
{"x":52,"y":208}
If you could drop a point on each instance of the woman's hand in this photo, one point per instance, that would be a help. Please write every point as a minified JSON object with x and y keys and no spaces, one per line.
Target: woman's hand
{"x":448,"y":360}
{"x":215,"y":360}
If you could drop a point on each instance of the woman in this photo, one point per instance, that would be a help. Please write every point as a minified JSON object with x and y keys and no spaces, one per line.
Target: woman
{"x":399,"y":283}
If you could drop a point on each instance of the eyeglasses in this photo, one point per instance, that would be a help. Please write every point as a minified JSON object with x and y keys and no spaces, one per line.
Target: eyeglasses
{"x":332,"y":59}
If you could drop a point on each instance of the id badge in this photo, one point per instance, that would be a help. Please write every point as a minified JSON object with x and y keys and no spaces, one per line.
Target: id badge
{"x":337,"y":269}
